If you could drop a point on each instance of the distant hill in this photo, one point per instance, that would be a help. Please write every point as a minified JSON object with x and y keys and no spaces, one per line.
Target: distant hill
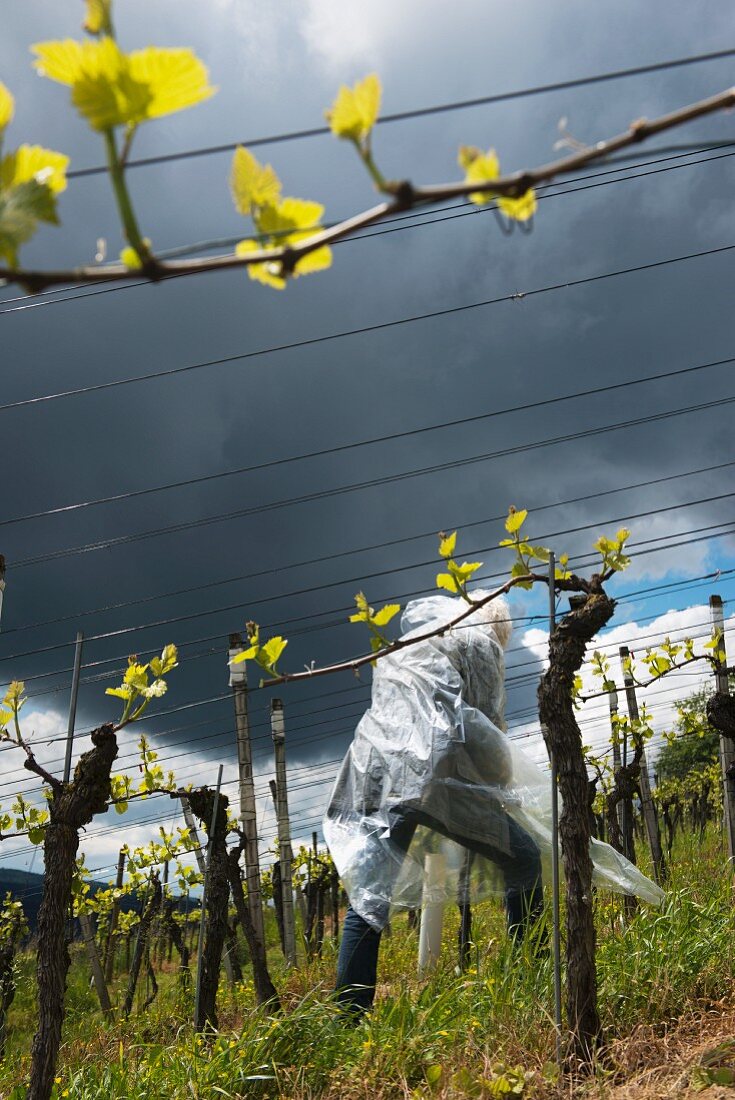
{"x":27,"y":887}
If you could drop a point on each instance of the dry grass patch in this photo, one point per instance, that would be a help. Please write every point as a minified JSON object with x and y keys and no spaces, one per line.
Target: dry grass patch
{"x":677,"y":1060}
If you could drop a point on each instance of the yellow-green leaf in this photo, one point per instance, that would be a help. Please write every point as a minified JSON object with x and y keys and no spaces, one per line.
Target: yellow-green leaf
{"x":362,"y":604}
{"x":516,"y":519}
{"x":446,"y":580}
{"x":14,"y":693}
{"x":168,"y":660}
{"x":286,"y":223}
{"x":7,"y":106}
{"x":123,"y":692}
{"x":136,"y":675}
{"x":290,"y":214}
{"x":60,"y":60}
{"x":355,"y":110}
{"x":386,"y":613}
{"x":98,"y":19}
{"x":176,"y":79}
{"x":246,"y":655}
{"x":520,"y":209}
{"x":33,"y":162}
{"x":479,"y":167}
{"x":464,"y":571}
{"x":169,"y":657}
{"x":273,"y":649}
{"x":519,"y":570}
{"x":267,"y":273}
{"x":252,"y":183}
{"x":467,"y":155}
{"x":447,"y":544}
{"x":318,"y":260}
{"x":111,"y":88}
{"x":21,"y":209}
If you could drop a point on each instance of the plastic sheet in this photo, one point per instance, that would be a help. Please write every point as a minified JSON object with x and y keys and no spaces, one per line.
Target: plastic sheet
{"x":431,"y":769}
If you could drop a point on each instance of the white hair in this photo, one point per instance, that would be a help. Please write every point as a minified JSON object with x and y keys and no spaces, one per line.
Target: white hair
{"x":495,"y":614}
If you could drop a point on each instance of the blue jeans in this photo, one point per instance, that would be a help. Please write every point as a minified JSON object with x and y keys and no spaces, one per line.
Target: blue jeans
{"x":357,"y":965}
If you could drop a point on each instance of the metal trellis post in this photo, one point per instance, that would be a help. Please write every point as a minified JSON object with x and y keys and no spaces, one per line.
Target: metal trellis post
{"x":73,"y":704}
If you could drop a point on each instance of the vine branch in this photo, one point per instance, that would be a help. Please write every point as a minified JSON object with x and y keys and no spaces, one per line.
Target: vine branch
{"x":571,"y":583}
{"x":403,"y":195}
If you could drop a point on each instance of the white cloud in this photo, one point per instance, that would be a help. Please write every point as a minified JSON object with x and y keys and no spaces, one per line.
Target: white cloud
{"x":45,"y":731}
{"x":667,"y":526}
{"x":309,"y":787}
{"x":353,"y":33}
{"x":660,"y":698}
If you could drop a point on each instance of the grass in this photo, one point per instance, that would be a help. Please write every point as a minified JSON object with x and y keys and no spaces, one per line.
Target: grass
{"x":484,"y":1033}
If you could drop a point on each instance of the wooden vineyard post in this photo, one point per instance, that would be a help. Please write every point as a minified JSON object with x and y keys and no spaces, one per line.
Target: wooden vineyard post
{"x":114,"y":914}
{"x":612,"y":700}
{"x":650,"y":816}
{"x":238,"y":683}
{"x":285,"y":855}
{"x":85,"y":923}
{"x":727,"y":746}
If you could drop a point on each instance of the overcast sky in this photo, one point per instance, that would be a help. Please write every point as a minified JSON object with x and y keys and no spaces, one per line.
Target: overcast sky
{"x":277,"y":67}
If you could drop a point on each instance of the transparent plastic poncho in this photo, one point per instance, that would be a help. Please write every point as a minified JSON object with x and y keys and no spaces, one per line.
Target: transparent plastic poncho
{"x":432,"y":747}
